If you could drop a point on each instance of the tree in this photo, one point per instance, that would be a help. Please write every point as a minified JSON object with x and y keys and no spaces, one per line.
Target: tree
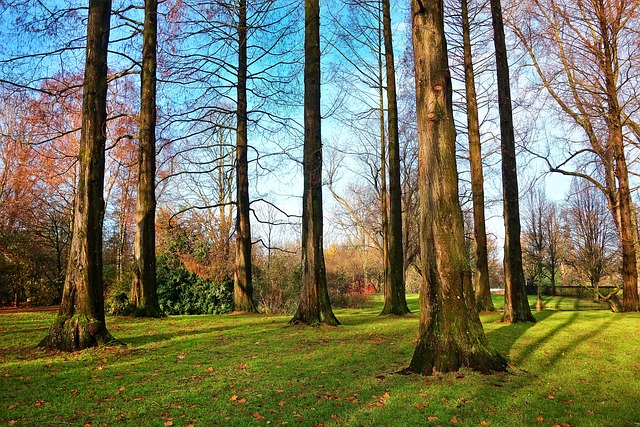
{"x":81,"y":320}
{"x":535,"y":239}
{"x":451,"y":335}
{"x":314,"y":306}
{"x":144,"y":297}
{"x":586,"y":59}
{"x":594,"y":246}
{"x":481,"y":280}
{"x":243,"y":288}
{"x":516,"y":304}
{"x":395,"y":301}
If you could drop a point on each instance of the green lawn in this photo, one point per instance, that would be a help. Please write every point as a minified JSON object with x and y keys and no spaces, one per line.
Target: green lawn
{"x":576,"y":368}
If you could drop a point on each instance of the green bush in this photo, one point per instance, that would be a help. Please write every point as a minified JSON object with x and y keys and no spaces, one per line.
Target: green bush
{"x":182,"y":292}
{"x":116,"y":302}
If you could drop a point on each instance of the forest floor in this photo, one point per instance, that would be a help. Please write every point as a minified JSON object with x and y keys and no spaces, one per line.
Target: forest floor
{"x":571,"y":368}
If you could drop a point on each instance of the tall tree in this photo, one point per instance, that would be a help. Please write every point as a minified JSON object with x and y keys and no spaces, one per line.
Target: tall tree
{"x":395,"y":301}
{"x":481,"y":271}
{"x":451,"y":334}
{"x":243,"y":287}
{"x":516,"y":304}
{"x":314,"y":305}
{"x":586,"y":58}
{"x":144,"y":288}
{"x":81,"y":320}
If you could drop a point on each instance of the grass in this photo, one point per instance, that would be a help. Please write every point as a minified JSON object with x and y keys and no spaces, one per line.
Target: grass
{"x":576,"y":368}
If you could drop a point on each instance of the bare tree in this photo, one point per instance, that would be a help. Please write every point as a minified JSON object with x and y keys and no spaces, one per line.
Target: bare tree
{"x":594,"y":244}
{"x":314,"y":306}
{"x":586,"y":59}
{"x":395,"y":299}
{"x":481,"y":280}
{"x":516,"y":303}
{"x":81,"y":319}
{"x":144,"y":295}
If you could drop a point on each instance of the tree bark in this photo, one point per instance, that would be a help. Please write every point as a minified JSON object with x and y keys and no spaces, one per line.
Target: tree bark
{"x":81,"y":320}
{"x":395,"y":301}
{"x":481,"y":283}
{"x":144,"y":295}
{"x":314,"y":306}
{"x":626,"y":229}
{"x":516,"y":303}
{"x":451,"y":335}
{"x":243,"y":286}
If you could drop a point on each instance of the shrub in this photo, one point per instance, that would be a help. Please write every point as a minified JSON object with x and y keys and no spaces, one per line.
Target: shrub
{"x":276,"y":286}
{"x":182,"y":292}
{"x":116,"y":302}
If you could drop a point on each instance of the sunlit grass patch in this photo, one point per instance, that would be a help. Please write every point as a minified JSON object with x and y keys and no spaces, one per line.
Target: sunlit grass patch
{"x":579,"y":368}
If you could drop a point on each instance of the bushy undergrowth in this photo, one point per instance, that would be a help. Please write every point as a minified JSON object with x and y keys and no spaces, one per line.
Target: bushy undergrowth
{"x":180,"y":291}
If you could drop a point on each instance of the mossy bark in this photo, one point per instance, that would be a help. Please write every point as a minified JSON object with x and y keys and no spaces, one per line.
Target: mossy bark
{"x":451,"y":334}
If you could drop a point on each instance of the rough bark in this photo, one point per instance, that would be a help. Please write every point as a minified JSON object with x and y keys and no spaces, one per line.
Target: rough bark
{"x":451,"y":334}
{"x":144,"y":295}
{"x":243,"y":286}
{"x":81,"y":321}
{"x":516,"y":304}
{"x":314,"y":306}
{"x":481,"y":283}
{"x":395,"y":301}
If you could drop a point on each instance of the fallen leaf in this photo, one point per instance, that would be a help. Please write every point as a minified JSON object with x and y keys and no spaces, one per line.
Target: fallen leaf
{"x":257,"y":416}
{"x":234,"y":397}
{"x":539,"y":418}
{"x":454,"y":420}
{"x":432,"y":418}
{"x":484,"y":423}
{"x":551,"y":397}
{"x":281,"y":403}
{"x":168,"y":423}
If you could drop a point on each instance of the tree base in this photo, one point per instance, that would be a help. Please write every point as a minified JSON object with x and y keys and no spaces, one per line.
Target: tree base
{"x":433,"y":356}
{"x":395,"y":310}
{"x":299,"y":319}
{"x":77,"y":333}
{"x":147,"y":311}
{"x":523,"y":317}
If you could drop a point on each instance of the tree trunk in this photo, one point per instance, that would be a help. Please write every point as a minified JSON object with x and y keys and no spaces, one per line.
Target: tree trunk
{"x":81,"y":321}
{"x":451,"y":335}
{"x":630,"y":300}
{"x":384,"y":206}
{"x":144,"y":296}
{"x":243,"y":287}
{"x":314,"y":306}
{"x":481,"y":272}
{"x":516,"y":304}
{"x":395,"y":301}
